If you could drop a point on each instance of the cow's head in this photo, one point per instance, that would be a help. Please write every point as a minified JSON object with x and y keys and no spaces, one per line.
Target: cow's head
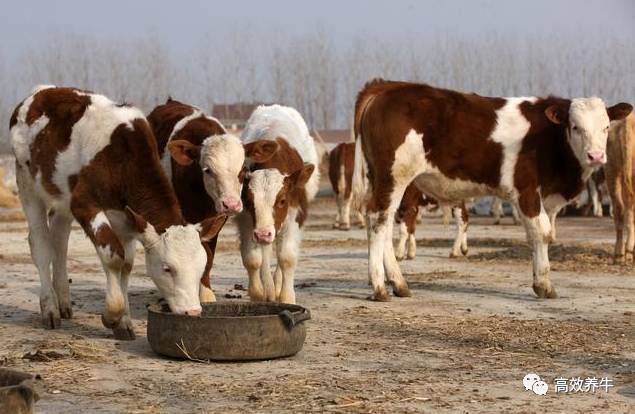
{"x":268,"y":195}
{"x":586,"y":121}
{"x":176,"y":259}
{"x":221,"y":159}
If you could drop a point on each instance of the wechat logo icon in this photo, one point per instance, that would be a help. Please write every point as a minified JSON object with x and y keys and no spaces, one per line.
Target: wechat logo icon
{"x":532,"y":382}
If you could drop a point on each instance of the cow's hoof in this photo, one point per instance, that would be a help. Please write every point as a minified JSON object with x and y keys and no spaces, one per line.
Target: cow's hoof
{"x":336,"y":225}
{"x":401,"y":291}
{"x":399,"y":257}
{"x":380,"y":295}
{"x":618,"y":259}
{"x":410,"y":257}
{"x":124,"y":333}
{"x":545,"y":292}
{"x":66,"y":311}
{"x":51,"y":319}
{"x":464,"y":251}
{"x":453,"y":255}
{"x":206,"y":295}
{"x":345,"y":227}
{"x":628,"y":257}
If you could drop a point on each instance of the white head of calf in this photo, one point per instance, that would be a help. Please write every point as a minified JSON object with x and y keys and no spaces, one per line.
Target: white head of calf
{"x":176,"y":259}
{"x":221,"y":159}
{"x":587,"y":126}
{"x":268,"y":196}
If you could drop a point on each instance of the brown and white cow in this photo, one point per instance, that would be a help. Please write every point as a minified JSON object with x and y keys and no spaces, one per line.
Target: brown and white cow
{"x":276,"y":196}
{"x":80,"y":155}
{"x":204,"y":164}
{"x":341,"y":161}
{"x":535,"y":152}
{"x":620,"y":177}
{"x":406,"y":216}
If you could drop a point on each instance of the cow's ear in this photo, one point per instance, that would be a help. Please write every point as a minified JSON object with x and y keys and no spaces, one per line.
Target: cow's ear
{"x":619,"y":111}
{"x":301,"y":176}
{"x":261,"y":151}
{"x":557,"y":114}
{"x":145,"y":231}
{"x":184,"y":152}
{"x":210,"y":227}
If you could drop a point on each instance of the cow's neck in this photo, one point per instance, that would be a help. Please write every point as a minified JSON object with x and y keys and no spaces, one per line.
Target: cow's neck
{"x":559,"y":169}
{"x":150,"y":194}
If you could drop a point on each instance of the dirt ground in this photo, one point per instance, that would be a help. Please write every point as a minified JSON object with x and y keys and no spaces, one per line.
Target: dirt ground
{"x":462,"y":343}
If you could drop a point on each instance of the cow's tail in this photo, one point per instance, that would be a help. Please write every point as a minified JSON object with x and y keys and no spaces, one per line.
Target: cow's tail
{"x":359,"y":185}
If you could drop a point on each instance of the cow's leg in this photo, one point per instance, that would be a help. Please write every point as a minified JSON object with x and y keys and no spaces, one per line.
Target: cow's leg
{"x":60,"y":227}
{"x":40,"y":246}
{"x":125,"y":329}
{"x":538,"y":228}
{"x":460,"y":241}
{"x":287,"y":252}
{"x":412,"y":246}
{"x":391,"y":266}
{"x":515,"y":215}
{"x":338,"y":216}
{"x":376,"y":229}
{"x":618,"y":206}
{"x":205,"y":293}
{"x":629,"y":229}
{"x":265,"y":273}
{"x":400,"y":253}
{"x":112,"y":255}
{"x":361,"y":220}
{"x":251,"y":254}
{"x":497,"y":210}
{"x":346,"y":213}
{"x":594,"y":195}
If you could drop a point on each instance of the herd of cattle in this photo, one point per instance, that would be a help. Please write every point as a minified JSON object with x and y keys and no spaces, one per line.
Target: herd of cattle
{"x":171,"y":179}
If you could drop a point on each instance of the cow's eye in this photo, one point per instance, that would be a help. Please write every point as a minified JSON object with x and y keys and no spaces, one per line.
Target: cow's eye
{"x":207,"y":170}
{"x":575,"y":127}
{"x":167,"y":269}
{"x":282,"y":202}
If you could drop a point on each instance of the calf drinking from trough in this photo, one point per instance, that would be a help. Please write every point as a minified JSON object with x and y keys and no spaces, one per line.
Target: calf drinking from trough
{"x":536,"y":153}
{"x":80,"y":155}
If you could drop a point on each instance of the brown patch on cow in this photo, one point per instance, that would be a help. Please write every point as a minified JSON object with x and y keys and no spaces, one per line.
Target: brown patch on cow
{"x":408,"y":209}
{"x":63,"y":107}
{"x":105,"y":237}
{"x":453,"y":124}
{"x":546,"y":160}
{"x":342,"y":155}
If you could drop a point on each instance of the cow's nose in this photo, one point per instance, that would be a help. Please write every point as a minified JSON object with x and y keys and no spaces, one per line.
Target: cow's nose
{"x":193,"y":312}
{"x":263,"y":236}
{"x":232,"y":205}
{"x":596,"y":157}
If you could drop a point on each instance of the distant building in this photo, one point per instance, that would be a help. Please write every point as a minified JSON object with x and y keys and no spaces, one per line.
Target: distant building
{"x":234,"y":116}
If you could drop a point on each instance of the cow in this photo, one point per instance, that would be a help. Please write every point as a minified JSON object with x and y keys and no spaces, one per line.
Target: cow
{"x":276,"y":196}
{"x":407,"y":214}
{"x":536,"y":153}
{"x":204,"y":164}
{"x":80,"y":155}
{"x":341,"y":159}
{"x":619,"y":179}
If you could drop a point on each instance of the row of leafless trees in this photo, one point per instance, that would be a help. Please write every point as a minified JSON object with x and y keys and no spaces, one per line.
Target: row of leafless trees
{"x":314,"y":74}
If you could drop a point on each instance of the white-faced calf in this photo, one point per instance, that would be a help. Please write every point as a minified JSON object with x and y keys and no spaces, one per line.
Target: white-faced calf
{"x":534,"y":152}
{"x":80,"y":155}
{"x":277,"y":190}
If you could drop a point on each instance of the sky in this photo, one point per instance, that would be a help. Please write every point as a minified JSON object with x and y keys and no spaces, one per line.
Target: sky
{"x":28,"y":22}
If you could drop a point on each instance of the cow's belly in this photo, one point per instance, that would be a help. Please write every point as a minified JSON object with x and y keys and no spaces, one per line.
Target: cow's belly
{"x":445,"y":189}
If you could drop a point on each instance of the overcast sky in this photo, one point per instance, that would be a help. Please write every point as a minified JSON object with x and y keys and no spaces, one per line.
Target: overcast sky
{"x":26,"y":22}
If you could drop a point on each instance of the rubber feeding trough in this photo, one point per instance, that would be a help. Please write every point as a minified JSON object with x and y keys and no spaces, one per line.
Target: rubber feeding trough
{"x":229,"y":331}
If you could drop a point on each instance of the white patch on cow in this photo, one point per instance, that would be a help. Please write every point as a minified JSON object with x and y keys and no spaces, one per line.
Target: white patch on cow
{"x":588,"y":132}
{"x":265,"y":186}
{"x":99,"y":220}
{"x":22,"y":134}
{"x":277,"y":121}
{"x":410,"y":159}
{"x":511,"y":128}
{"x":90,"y":134}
